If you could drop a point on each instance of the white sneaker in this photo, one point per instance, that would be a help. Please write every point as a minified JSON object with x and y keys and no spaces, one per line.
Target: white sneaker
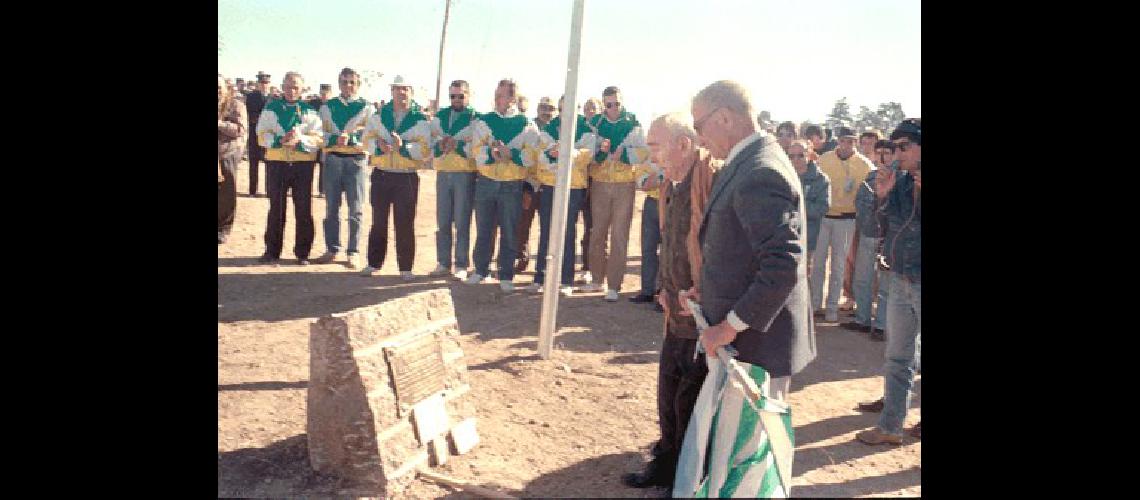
{"x":534,"y":288}
{"x":507,"y":286}
{"x":352,"y":262}
{"x":407,"y":275}
{"x":461,"y":274}
{"x":590,"y":288}
{"x":440,"y":271}
{"x":325,"y":258}
{"x":588,"y":278}
{"x":567,"y":291}
{"x":611,"y":295}
{"x":368,"y":271}
{"x":475,"y":279}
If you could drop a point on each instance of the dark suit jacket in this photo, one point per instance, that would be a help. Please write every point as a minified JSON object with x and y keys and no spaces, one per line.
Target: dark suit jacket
{"x":754,"y":241}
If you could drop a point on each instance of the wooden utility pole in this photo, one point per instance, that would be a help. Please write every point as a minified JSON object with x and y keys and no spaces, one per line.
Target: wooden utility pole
{"x":439,"y":69}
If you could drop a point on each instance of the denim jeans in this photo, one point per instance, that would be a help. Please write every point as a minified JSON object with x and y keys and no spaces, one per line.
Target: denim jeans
{"x":545,"y":211}
{"x":343,"y":174}
{"x":650,"y":242}
{"x":834,"y":235}
{"x":454,"y":198}
{"x":904,"y":329}
{"x":863,"y":281}
{"x":496,"y":200}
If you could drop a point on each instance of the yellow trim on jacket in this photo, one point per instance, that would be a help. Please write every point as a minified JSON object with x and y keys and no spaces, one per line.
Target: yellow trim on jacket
{"x":289,"y":154}
{"x":578,"y":171}
{"x":453,"y":162}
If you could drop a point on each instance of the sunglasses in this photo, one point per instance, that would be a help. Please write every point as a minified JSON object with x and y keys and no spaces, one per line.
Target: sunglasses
{"x":458,"y":96}
{"x":613,"y":105}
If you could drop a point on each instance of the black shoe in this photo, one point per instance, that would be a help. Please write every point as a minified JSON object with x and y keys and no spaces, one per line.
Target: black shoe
{"x":641,"y":299}
{"x":854,"y":326}
{"x":917,"y":430}
{"x":221,"y":238}
{"x":647,"y":479}
{"x":878,"y":335}
{"x":872,"y":407}
{"x":267,"y":259}
{"x":657,"y":307}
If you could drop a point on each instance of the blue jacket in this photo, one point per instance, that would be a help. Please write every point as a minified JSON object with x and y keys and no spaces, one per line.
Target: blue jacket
{"x":817,"y":200}
{"x":900,"y":216}
{"x":866,"y":222}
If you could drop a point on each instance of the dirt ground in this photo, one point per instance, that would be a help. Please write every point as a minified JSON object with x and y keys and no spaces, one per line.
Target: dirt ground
{"x":565,"y":427}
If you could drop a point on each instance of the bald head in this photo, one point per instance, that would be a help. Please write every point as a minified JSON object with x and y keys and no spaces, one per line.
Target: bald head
{"x":672,"y":144}
{"x":723,"y":116}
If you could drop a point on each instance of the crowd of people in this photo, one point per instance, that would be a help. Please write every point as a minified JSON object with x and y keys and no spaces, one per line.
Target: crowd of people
{"x":744,"y":221}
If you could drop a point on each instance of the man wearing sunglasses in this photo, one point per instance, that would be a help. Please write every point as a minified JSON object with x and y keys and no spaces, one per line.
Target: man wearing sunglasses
{"x":622,"y":146}
{"x":530,"y":199}
{"x":898,"y":195}
{"x":344,"y":119}
{"x":454,"y":180}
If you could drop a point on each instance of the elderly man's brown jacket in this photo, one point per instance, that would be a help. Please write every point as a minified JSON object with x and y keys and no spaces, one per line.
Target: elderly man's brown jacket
{"x":680,"y":250}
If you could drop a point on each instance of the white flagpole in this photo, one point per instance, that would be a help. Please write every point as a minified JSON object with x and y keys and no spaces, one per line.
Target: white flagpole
{"x":569,"y":119}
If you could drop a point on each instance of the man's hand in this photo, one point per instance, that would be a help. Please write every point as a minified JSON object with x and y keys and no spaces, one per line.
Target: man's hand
{"x":718,"y":335}
{"x":553,"y":152}
{"x":397,"y":141}
{"x":385,"y":147}
{"x":342,"y":140}
{"x":917,"y":179}
{"x":605,"y":145}
{"x":691,"y":293}
{"x":884,"y":182}
{"x":446,"y":144}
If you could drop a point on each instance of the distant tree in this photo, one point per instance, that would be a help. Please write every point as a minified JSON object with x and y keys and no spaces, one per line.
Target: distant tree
{"x":867,"y":120}
{"x":891,"y":115}
{"x":840,"y":115}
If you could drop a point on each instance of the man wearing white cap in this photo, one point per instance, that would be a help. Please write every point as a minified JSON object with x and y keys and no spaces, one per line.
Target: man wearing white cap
{"x":399,"y":139}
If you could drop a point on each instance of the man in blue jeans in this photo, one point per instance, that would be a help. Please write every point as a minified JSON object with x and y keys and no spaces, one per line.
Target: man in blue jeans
{"x":344,"y":119}
{"x":866,"y":270}
{"x":454,"y":181}
{"x":501,"y":140}
{"x":899,"y":199}
{"x":649,"y":179}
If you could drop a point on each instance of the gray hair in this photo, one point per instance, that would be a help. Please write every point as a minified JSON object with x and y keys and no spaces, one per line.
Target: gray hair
{"x":294,"y":74}
{"x":729,"y":95}
{"x":677,"y":124}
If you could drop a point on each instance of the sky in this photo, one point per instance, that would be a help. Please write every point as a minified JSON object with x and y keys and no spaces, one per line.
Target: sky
{"x":796,"y":58}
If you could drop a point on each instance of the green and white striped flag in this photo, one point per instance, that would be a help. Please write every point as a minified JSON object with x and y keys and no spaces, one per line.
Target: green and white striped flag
{"x":728,"y":451}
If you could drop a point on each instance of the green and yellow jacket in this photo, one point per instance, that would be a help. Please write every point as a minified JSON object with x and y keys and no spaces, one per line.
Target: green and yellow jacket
{"x":584,"y":146}
{"x":279,"y":117}
{"x":457,"y":124}
{"x":624,"y":133}
{"x":414,"y":131}
{"x":339,"y":115}
{"x":517,"y":132}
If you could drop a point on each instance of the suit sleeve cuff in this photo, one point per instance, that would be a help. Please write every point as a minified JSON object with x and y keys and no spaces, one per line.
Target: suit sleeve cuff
{"x":735,"y":322}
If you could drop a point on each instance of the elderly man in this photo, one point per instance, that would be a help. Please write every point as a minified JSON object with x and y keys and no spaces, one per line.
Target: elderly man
{"x":504,"y":144}
{"x":344,"y":120}
{"x":673,"y":145}
{"x":622,"y":148}
{"x":753,"y":292}
{"x":899,"y":200}
{"x":454,"y":180}
{"x":399,"y":138}
{"x":290,"y":130}
{"x":846,"y":168}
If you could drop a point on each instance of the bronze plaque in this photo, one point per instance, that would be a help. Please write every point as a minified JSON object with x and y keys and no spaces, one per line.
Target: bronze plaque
{"x":417,"y":369}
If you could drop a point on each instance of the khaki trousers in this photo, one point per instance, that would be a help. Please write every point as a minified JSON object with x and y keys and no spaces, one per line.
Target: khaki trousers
{"x":611,"y":206}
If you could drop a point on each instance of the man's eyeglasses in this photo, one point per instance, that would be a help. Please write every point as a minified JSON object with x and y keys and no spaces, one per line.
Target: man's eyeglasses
{"x":458,"y":96}
{"x":699,"y":123}
{"x":613,"y":105}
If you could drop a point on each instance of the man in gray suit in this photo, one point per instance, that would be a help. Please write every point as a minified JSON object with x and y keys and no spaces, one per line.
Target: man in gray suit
{"x":753,"y":287}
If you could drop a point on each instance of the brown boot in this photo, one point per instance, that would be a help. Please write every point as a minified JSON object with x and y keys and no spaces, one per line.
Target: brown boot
{"x":875,"y":436}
